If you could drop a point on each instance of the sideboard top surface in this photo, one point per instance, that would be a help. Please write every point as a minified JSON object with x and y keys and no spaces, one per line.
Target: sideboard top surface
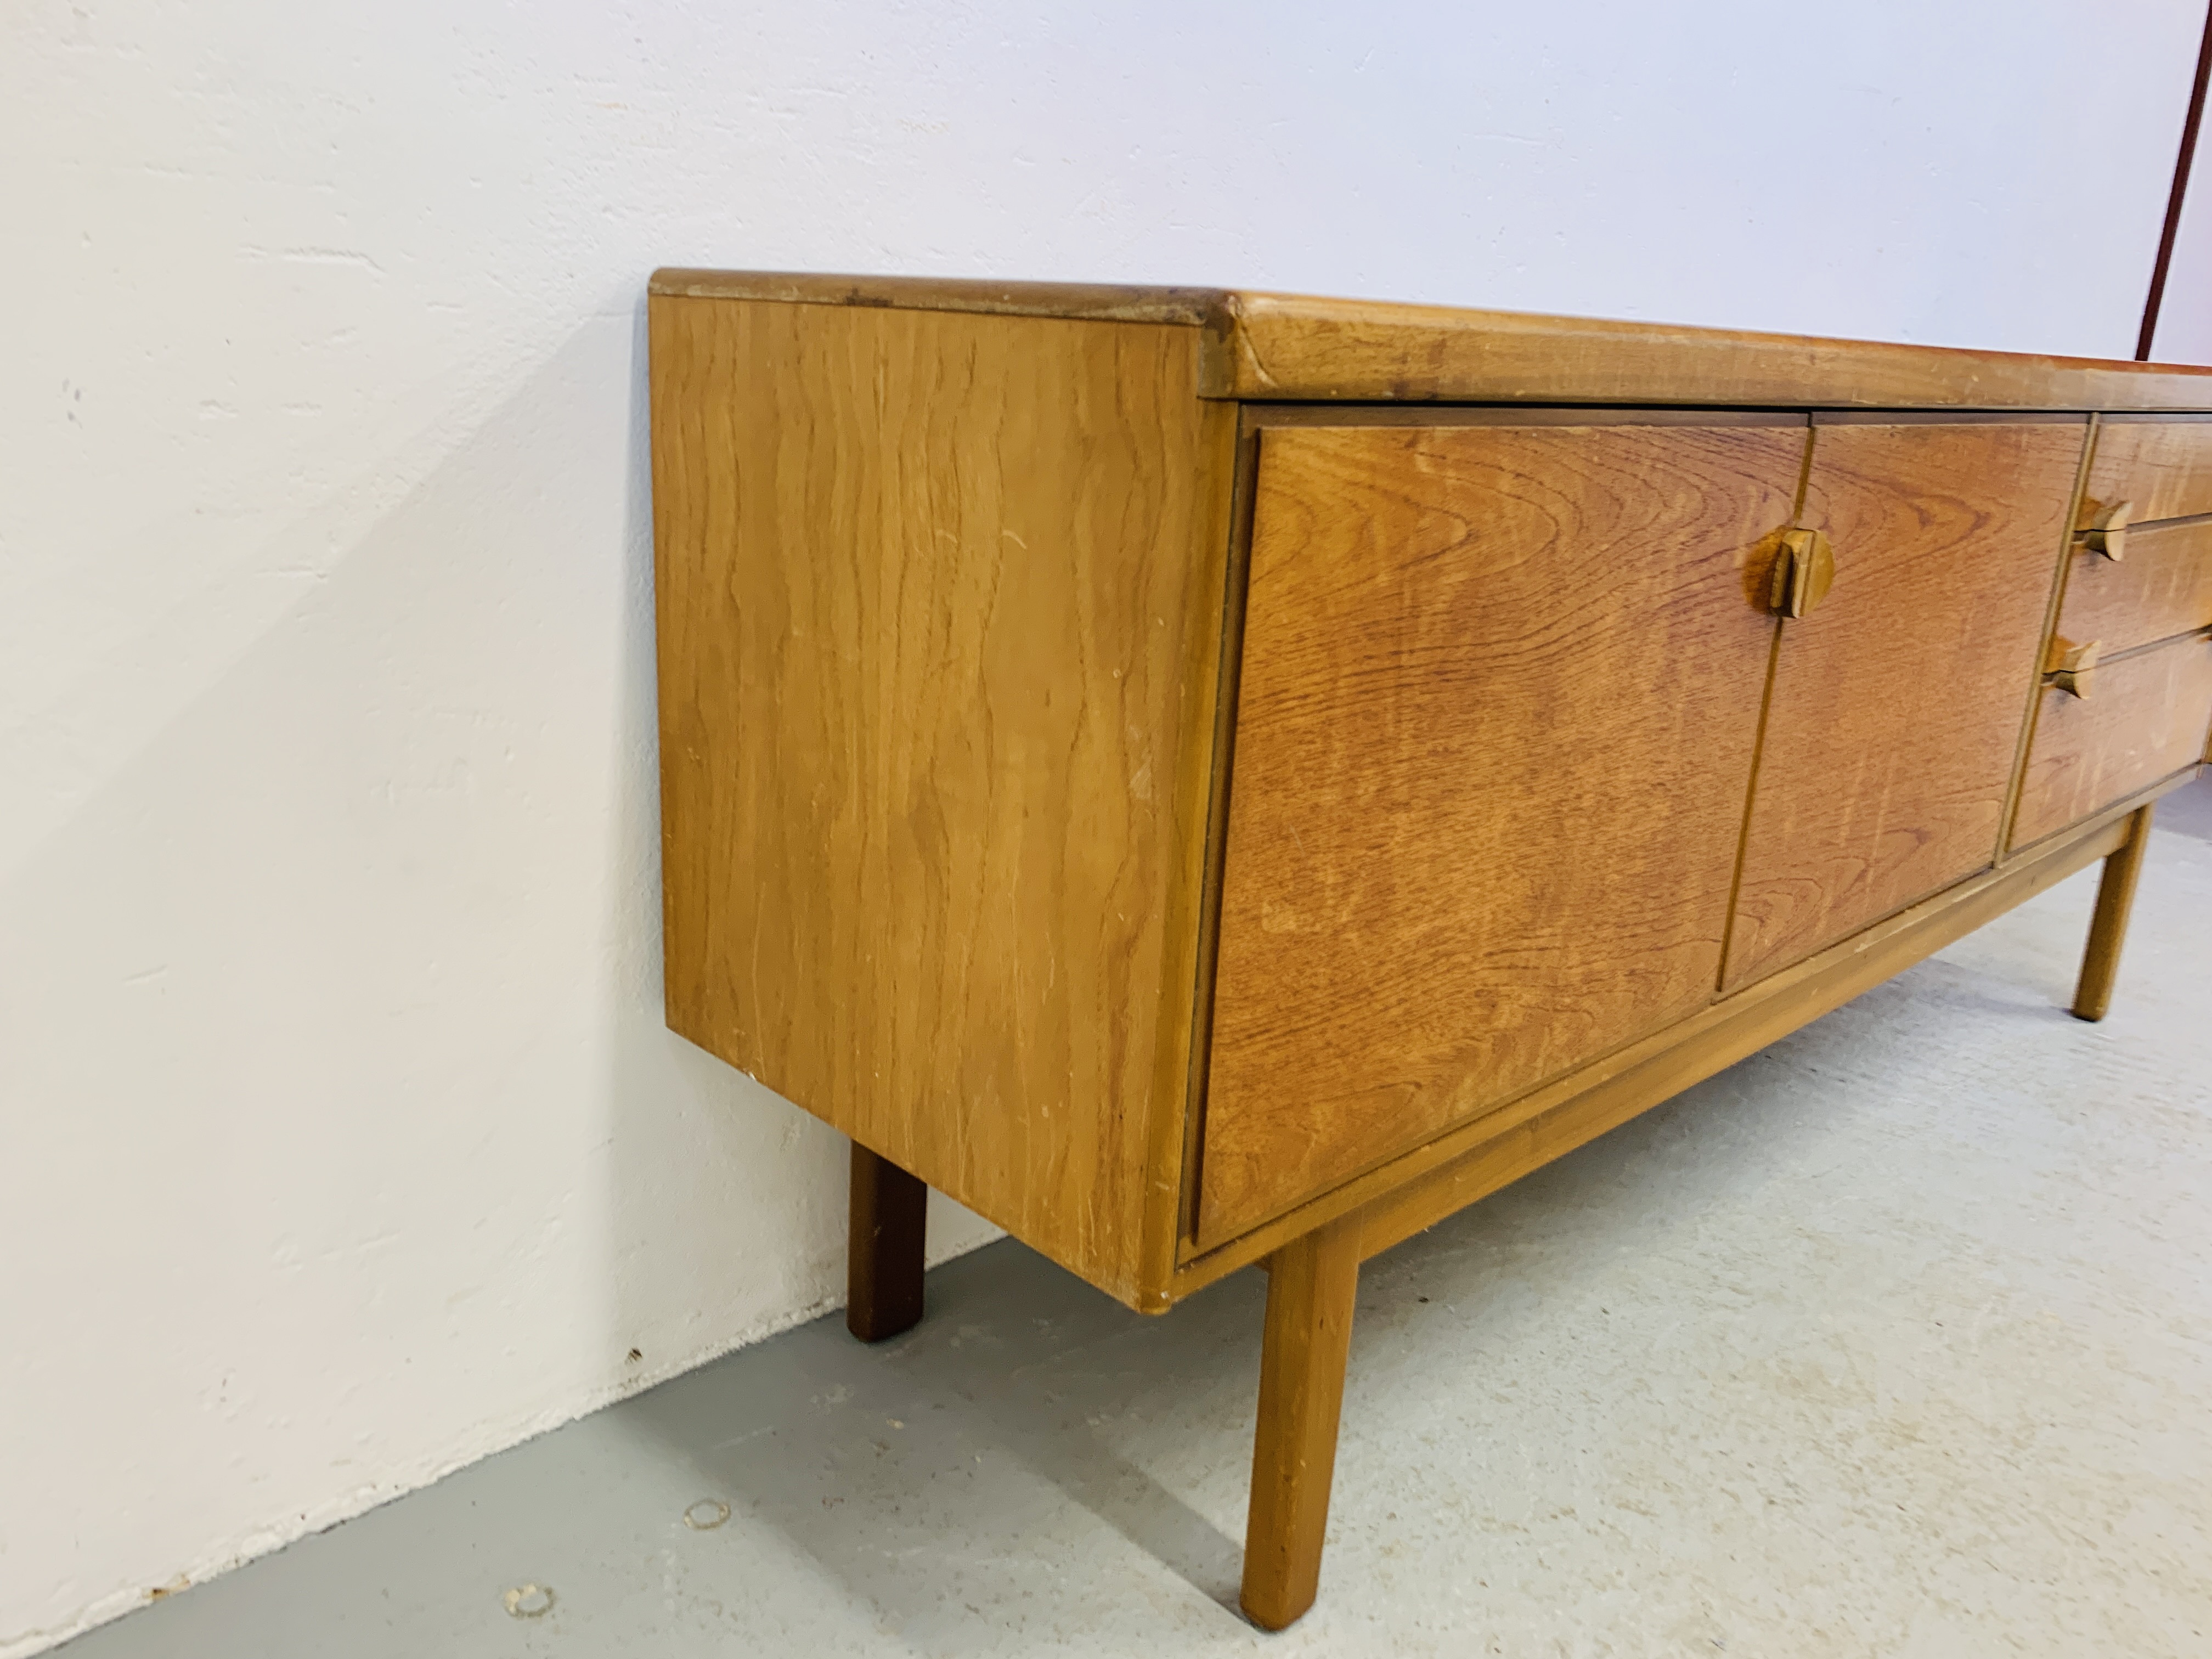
{"x":1292,"y":348}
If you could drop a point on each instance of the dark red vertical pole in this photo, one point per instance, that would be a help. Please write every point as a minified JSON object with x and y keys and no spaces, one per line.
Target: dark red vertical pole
{"x":2173,"y":201}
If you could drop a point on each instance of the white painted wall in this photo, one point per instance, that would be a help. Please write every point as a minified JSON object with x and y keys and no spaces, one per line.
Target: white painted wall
{"x":2185,"y":312}
{"x":342,"y":1140}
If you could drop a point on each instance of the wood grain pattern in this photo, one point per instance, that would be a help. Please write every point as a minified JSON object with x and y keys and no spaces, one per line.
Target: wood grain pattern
{"x":1292,"y":346}
{"x":941,"y":571}
{"x":1080,"y":302}
{"x":1893,"y":724}
{"x":2161,"y":589}
{"x":1312,"y":1284}
{"x":2108,"y":927}
{"x":939,"y":615}
{"x":1741,"y":1027}
{"x":2147,"y":721}
{"x":1177,"y":906}
{"x":1500,"y":691}
{"x":1477,"y":1157}
{"x":2162,"y":467}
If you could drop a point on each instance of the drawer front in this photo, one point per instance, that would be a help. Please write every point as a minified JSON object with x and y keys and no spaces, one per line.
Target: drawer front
{"x":1896,"y":716}
{"x":2162,"y":588}
{"x":1499,"y":696}
{"x":2146,"y":718}
{"x":2161,"y":465}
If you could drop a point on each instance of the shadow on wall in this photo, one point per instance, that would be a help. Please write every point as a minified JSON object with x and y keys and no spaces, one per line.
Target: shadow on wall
{"x":333,"y":1019}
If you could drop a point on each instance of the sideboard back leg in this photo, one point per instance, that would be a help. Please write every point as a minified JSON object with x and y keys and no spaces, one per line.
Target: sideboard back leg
{"x":1311,"y":1282}
{"x":2108,"y":931}
{"x":883,"y":1270}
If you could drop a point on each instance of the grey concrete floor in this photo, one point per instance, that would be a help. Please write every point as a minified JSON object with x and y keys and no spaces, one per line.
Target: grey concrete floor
{"x":1895,"y":1339}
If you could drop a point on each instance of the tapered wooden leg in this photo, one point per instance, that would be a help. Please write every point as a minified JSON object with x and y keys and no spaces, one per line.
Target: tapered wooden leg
{"x":1311,"y":1282}
{"x":2108,"y":931}
{"x":883,"y":1270}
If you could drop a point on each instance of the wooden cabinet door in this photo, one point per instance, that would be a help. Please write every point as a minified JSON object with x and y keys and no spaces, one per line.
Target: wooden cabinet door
{"x":1898,"y":707}
{"x":1500,"y":691}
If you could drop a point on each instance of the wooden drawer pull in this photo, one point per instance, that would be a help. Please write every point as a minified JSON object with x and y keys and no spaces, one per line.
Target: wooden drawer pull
{"x":2073,"y":667}
{"x":2106,"y":533}
{"x":1804,"y":573}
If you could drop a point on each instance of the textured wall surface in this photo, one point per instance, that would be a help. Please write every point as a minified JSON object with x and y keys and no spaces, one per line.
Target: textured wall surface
{"x":343,"y":1141}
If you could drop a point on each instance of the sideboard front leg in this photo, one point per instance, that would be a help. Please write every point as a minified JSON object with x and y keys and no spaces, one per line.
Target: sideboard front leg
{"x":882,"y":1268}
{"x":2108,"y":931}
{"x":1311,"y":1282}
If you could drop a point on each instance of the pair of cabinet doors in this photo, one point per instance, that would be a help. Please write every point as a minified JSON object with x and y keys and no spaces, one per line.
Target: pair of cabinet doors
{"x":1527,"y":765}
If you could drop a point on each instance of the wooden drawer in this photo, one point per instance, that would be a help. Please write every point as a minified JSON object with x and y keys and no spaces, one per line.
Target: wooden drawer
{"x":2145,"y":719}
{"x":1499,"y":698}
{"x":2161,"y":465}
{"x":2162,"y":588}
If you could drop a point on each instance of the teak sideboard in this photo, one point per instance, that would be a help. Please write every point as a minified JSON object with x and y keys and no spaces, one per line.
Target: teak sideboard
{"x":1207,"y":778}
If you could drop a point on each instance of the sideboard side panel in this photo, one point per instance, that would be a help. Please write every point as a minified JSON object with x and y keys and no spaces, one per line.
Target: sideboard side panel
{"x":939,"y":600}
